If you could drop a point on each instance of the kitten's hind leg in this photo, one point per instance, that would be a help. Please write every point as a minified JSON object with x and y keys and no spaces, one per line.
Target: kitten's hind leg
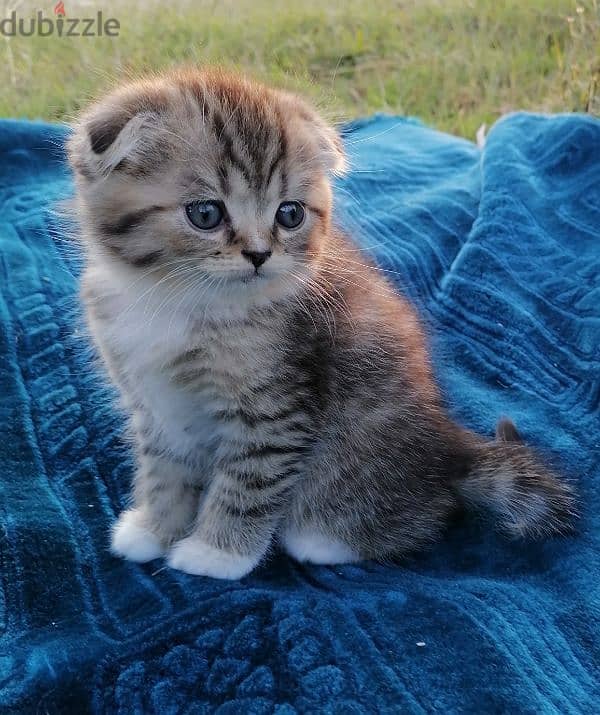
{"x":310,"y":545}
{"x":165,"y":504}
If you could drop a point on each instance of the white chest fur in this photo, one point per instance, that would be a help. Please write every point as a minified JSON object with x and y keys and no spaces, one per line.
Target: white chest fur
{"x":142,"y":329}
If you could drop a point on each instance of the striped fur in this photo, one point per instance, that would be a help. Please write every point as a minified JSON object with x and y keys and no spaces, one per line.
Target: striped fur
{"x":293,"y":402}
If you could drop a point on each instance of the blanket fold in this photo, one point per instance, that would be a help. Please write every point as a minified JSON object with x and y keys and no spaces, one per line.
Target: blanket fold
{"x":499,"y":248}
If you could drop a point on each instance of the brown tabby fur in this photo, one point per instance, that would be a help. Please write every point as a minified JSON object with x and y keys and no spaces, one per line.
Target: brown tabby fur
{"x":293,"y":401}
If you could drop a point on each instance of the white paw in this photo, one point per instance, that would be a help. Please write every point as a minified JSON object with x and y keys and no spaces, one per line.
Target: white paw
{"x":310,"y":545}
{"x":195,"y":556}
{"x":133,"y":541}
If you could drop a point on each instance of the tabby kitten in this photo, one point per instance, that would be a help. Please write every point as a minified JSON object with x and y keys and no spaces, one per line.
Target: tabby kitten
{"x":278,"y":388}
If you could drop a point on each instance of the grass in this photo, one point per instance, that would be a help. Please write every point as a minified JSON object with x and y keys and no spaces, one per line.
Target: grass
{"x":456,"y":64}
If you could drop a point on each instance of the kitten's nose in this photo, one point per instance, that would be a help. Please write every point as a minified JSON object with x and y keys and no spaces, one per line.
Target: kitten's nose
{"x":256,"y":258}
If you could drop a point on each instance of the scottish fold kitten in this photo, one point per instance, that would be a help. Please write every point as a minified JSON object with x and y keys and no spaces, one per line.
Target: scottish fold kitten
{"x":279,"y":389}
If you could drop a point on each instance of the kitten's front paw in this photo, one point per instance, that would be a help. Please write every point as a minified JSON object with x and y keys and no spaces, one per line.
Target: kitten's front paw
{"x":133,"y":541}
{"x":195,"y":556}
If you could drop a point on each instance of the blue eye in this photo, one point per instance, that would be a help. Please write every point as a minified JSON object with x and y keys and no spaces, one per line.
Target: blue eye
{"x":290,"y":214}
{"x":205,"y":215}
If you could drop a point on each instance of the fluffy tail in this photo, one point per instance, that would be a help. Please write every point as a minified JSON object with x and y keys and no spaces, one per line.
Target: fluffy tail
{"x":506,"y":478}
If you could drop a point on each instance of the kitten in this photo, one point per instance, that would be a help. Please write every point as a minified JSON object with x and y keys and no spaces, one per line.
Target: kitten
{"x":279,"y":390}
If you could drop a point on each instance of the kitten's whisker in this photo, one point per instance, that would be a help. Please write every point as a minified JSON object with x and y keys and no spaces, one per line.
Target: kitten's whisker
{"x":373,"y":267}
{"x":183,"y":291}
{"x":303,"y":308}
{"x":339,"y":261}
{"x":366,"y":285}
{"x":162,"y":266}
{"x":374,"y":136}
{"x":185,"y":275}
{"x":185,"y":285}
{"x":154,"y":287}
{"x":182,"y":278}
{"x":148,"y":292}
{"x":341,"y":302}
{"x":217,"y":287}
{"x":192,"y":271}
{"x":325,"y":311}
{"x":297,"y":298}
{"x":357,"y":249}
{"x":343,"y":190}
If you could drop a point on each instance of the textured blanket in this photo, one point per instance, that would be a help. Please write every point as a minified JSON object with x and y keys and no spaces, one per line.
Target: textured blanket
{"x":500,"y":250}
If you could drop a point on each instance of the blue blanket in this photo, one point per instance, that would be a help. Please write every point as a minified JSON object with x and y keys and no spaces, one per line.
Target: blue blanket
{"x":500,"y":250}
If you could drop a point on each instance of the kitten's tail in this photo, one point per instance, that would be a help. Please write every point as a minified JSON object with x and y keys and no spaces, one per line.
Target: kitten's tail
{"x":506,"y":478}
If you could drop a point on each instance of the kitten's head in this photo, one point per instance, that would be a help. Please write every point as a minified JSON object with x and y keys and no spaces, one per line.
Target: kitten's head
{"x":207,"y":169}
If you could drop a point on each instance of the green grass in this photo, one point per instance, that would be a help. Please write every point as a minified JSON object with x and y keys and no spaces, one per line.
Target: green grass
{"x":456,"y":64}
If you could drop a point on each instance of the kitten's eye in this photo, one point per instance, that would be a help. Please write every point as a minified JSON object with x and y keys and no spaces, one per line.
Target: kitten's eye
{"x":290,"y":214}
{"x":204,"y":215}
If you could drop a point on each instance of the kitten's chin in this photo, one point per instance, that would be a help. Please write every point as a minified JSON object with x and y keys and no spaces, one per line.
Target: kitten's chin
{"x":262,"y":279}
{"x":257,"y":287}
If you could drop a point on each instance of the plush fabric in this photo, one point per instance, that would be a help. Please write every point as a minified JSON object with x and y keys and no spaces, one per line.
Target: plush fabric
{"x":500,"y":249}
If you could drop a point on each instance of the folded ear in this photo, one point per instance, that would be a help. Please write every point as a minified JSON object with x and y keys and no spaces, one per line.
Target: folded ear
{"x":332,"y":148}
{"x":327,"y":142}
{"x":111,"y":134}
{"x":329,"y":145}
{"x":103,"y":130}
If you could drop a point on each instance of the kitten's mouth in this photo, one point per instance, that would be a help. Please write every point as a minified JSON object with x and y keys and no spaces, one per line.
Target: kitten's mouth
{"x":253,"y":276}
